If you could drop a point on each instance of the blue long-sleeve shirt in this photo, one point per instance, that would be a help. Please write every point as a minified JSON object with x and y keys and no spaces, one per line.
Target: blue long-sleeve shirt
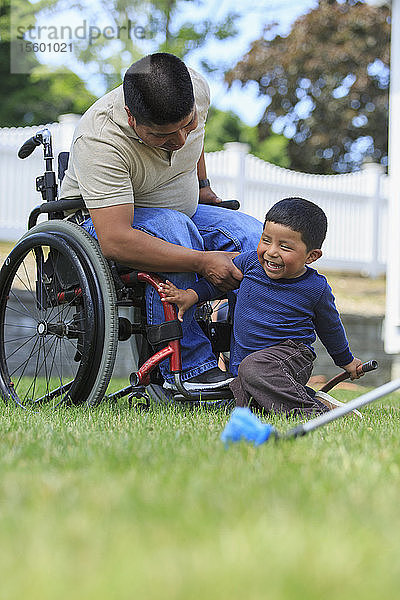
{"x":268,"y":311}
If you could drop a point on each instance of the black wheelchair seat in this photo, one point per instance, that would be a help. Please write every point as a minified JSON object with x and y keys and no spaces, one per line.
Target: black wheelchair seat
{"x":63,"y":159}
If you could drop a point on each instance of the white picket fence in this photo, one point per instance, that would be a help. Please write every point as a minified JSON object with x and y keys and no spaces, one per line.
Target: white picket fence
{"x":355,"y":204}
{"x":18,"y":193}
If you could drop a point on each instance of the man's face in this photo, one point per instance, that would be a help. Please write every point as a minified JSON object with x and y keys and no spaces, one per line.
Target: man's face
{"x":170,"y":137}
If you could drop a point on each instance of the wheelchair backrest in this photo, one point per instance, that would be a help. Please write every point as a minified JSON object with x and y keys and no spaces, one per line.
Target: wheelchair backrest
{"x":63,"y":159}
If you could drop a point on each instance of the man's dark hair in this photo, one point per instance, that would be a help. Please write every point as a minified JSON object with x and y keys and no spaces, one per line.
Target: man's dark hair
{"x":158,"y":90}
{"x":303,"y":216}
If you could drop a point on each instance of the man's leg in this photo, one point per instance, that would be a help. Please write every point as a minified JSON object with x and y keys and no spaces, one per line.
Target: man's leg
{"x":275,"y":378}
{"x":177,"y":228}
{"x":229,"y":230}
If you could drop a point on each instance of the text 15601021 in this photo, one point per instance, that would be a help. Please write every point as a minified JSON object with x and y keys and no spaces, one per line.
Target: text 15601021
{"x":45,"y":46}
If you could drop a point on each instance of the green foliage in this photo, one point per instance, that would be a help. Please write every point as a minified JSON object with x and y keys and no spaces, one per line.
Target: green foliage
{"x":40,"y":97}
{"x":326,"y":85}
{"x":223,"y":127}
{"x":43,"y":94}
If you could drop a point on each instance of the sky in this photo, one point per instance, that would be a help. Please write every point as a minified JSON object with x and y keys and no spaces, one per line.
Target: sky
{"x":244,"y":101}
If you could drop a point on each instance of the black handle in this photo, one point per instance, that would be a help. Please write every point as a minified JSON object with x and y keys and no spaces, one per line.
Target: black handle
{"x":63,"y":204}
{"x":371,"y":365}
{"x":232,"y":204}
{"x":28,"y":147}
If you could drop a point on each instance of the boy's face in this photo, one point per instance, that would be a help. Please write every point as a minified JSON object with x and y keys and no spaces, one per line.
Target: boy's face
{"x":282,"y":252}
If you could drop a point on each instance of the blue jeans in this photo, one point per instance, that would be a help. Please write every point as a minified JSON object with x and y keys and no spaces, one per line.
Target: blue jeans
{"x":210,"y":228}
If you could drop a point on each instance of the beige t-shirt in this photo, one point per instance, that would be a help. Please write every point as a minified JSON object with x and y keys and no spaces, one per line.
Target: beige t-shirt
{"x":109,"y":165}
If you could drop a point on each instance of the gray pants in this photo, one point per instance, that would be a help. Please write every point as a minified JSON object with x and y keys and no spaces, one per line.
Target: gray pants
{"x":274,"y":379}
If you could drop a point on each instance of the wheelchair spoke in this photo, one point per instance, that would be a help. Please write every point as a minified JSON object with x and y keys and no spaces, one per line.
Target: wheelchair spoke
{"x":29,"y":290}
{"x":26,"y":362}
{"x":32,"y":354}
{"x":27,"y":336}
{"x":8,"y":356}
{"x":18,"y":312}
{"x":55,"y":393}
{"x":34,"y":379}
{"x":26,"y":309}
{"x":17,"y":326}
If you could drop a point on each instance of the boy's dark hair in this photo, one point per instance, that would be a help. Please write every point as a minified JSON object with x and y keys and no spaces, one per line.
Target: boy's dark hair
{"x":303,"y":216}
{"x":158,"y":89}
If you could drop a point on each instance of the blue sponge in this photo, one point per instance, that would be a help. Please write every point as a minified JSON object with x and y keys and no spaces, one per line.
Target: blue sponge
{"x":244,"y":425}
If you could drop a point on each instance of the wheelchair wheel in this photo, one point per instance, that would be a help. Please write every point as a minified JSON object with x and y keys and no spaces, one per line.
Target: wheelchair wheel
{"x":54,"y":346}
{"x":103,"y":292}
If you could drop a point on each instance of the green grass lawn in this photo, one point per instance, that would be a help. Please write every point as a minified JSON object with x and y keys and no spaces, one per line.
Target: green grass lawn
{"x":116,"y":504}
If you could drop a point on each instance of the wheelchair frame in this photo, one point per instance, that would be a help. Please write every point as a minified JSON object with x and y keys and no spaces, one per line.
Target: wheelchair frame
{"x":76,"y":295}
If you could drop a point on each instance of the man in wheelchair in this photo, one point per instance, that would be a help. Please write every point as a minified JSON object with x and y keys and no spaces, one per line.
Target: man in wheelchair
{"x":137,"y":159}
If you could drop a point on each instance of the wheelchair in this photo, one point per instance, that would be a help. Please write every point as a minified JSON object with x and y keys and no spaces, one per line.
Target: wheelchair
{"x":64,"y":308}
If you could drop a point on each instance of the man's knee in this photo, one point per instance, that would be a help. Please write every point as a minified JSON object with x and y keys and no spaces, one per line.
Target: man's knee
{"x":224,"y":229}
{"x":246,"y":229}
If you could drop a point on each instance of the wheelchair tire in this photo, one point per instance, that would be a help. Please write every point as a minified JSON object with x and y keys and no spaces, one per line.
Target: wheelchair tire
{"x":104,"y":299}
{"x":47,"y":343}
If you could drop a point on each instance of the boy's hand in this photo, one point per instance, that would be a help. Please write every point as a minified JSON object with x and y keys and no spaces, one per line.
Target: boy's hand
{"x":354,"y":369}
{"x":184,"y":299}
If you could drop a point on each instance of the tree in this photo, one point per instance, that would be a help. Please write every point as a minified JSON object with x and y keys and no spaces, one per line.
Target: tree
{"x":326,"y":85}
{"x":222,"y":127}
{"x":128,"y":29}
{"x":39,"y":95}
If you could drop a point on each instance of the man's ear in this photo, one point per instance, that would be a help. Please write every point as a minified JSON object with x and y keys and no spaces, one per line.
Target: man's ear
{"x":131,"y":119}
{"x":313,"y":255}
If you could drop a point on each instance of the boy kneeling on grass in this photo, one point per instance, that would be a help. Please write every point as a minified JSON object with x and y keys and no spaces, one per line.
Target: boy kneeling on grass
{"x":281,"y":305}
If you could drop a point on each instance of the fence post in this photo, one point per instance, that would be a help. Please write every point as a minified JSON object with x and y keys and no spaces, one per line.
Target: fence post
{"x":241,"y":151}
{"x":373,"y":173}
{"x":68,"y":122}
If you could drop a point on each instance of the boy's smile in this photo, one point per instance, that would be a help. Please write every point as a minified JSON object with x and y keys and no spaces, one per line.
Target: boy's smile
{"x":282,"y":252}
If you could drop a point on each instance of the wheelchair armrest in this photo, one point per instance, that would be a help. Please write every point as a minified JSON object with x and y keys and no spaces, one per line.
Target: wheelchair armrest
{"x":61,"y":205}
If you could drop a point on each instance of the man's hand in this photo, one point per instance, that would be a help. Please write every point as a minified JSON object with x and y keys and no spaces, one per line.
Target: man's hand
{"x":219,"y":269}
{"x":207,"y":196}
{"x":354,"y":369}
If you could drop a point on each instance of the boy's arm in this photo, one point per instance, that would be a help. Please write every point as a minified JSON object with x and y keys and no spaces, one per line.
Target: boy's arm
{"x":201,"y":291}
{"x":206,"y":290}
{"x":185,"y":299}
{"x":331,"y":332}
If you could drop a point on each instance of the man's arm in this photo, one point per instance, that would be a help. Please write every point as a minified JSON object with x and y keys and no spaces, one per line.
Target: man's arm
{"x":120,"y":242}
{"x":206,"y":195}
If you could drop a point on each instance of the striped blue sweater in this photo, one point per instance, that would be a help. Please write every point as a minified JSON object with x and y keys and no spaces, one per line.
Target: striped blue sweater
{"x":269,"y":311}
